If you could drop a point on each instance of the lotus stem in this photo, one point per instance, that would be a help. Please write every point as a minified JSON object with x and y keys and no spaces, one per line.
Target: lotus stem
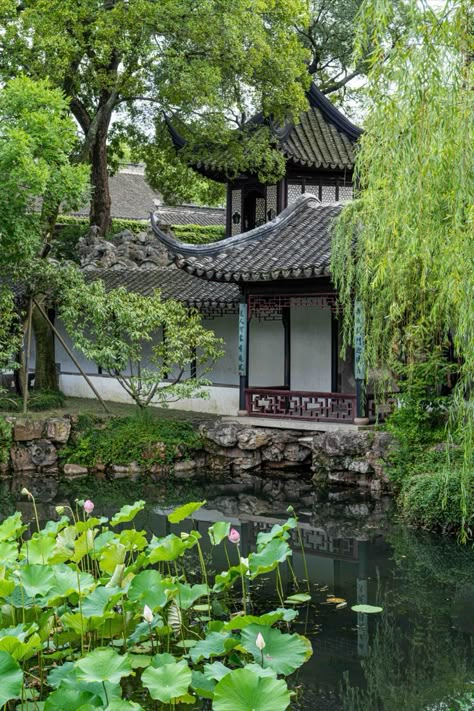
{"x":244,"y":592}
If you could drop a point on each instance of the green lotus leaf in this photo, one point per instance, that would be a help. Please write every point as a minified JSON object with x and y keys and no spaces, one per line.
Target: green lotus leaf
{"x":12,"y":527}
{"x":187,"y":595}
{"x":160,"y":660}
{"x":127,"y":513}
{"x":148,"y":588}
{"x":203,"y":686}
{"x":113,"y":555}
{"x":21,"y":650}
{"x":64,"y":545}
{"x":72,"y":700}
{"x":19,"y":598}
{"x":58,"y":674}
{"x":227,"y":578}
{"x":21,"y":631}
{"x":8,"y":551}
{"x":259,"y":670}
{"x":269,"y":557}
{"x":239,"y":622}
{"x":37,"y":579}
{"x":214,"y":645}
{"x":101,"y":541}
{"x":283,"y":652}
{"x":79,"y":624}
{"x":40,"y":548}
{"x":218,"y":531}
{"x":11,"y":677}
{"x":244,"y":690}
{"x":97,"y":602}
{"x":216,"y":671}
{"x":171,"y":547}
{"x":133,"y":540}
{"x":277,"y":531}
{"x":298,"y":599}
{"x":184,"y":511}
{"x":6,"y":587}
{"x":367,"y":609}
{"x":84,"y":545}
{"x":68,"y":581}
{"x":103,"y":665}
{"x":168,"y":682}
{"x":123,"y":705}
{"x":56,"y":526}
{"x":142,"y":630}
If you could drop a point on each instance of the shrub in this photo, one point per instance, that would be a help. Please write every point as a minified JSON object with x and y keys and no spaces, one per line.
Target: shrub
{"x":140,"y":438}
{"x":37,"y":401}
{"x":5,"y":440}
{"x":199,"y":234}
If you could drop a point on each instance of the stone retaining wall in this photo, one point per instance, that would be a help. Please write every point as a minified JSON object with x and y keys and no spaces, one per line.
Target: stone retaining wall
{"x":278,"y":462}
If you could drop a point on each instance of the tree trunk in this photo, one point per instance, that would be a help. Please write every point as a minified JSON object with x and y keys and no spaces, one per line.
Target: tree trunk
{"x":46,"y":377}
{"x":100,"y":200}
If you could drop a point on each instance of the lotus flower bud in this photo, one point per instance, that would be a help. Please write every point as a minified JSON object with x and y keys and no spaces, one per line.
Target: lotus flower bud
{"x":148,"y":614}
{"x":88,"y":506}
{"x":25,"y":492}
{"x":234,"y":536}
{"x":260,"y":642}
{"x":59,"y":510}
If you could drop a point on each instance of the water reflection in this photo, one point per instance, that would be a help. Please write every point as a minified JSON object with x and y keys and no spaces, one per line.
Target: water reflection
{"x":417,"y":655}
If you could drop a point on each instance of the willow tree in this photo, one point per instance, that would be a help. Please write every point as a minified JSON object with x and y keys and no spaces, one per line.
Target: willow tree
{"x":405,"y":246}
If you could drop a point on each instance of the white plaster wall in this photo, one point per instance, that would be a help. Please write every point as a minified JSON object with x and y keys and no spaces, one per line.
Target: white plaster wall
{"x":221,"y":401}
{"x":64,"y":359}
{"x":310,"y":349}
{"x":266,"y":353}
{"x":226,"y":369}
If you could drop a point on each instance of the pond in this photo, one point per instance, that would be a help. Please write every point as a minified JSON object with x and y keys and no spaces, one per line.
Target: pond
{"x":416,"y":655}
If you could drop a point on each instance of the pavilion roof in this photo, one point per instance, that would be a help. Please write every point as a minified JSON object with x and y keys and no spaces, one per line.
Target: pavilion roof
{"x":295,"y":245}
{"x":322,"y":139}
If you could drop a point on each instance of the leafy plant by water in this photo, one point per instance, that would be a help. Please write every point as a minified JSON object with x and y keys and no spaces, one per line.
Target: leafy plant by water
{"x":98,"y":615}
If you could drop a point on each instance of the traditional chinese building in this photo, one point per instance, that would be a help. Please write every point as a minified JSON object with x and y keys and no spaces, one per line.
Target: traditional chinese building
{"x":283,"y":345}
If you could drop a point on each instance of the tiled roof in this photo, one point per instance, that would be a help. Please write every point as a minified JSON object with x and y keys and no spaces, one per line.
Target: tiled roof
{"x":131,"y":197}
{"x":173,"y":283}
{"x":190,"y":215}
{"x":296,"y":244}
{"x":322,"y":139}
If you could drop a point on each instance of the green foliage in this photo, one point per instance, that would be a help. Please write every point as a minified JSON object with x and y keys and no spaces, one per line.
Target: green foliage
{"x":404,"y":246}
{"x":198,"y":234}
{"x":37,"y":401}
{"x":5,"y":440}
{"x":141,"y":439}
{"x":113,"y":328}
{"x":37,"y":138}
{"x":83,"y":608}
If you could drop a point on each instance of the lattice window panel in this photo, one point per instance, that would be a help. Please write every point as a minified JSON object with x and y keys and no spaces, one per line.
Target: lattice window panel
{"x":345,"y":193}
{"x":260,"y":217}
{"x":294,"y":191}
{"x":271,"y":201}
{"x":269,"y":308}
{"x":236,"y":208}
{"x":329,"y":193}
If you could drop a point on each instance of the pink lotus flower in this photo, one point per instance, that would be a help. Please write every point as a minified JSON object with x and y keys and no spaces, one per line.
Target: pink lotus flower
{"x":88,"y":506}
{"x":234,"y":536}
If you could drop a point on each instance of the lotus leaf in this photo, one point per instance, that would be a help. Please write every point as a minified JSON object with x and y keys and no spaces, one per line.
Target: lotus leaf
{"x":171,"y":547}
{"x":239,"y":622}
{"x":67,"y":582}
{"x":148,"y":588}
{"x":214,"y":645}
{"x":40,"y":549}
{"x":127,"y":513}
{"x":203,"y":686}
{"x":184,"y":511}
{"x":21,"y":650}
{"x":227,"y":578}
{"x":216,"y":671}
{"x":123,"y":705}
{"x":283,"y":653}
{"x":298,"y":599}
{"x":142,"y":630}
{"x":269,"y":557}
{"x":72,"y":700}
{"x":6,"y":587}
{"x":160,"y":660}
{"x":8,"y":551}
{"x":277,"y":531}
{"x":11,"y":677}
{"x":12,"y":527}
{"x":186,"y":594}
{"x":367,"y":609}
{"x":113,"y":555}
{"x":218,"y":531}
{"x":133,"y":540}
{"x":103,"y":665}
{"x":96,"y":603}
{"x":168,"y":682}
{"x":37,"y":579}
{"x":244,"y":690}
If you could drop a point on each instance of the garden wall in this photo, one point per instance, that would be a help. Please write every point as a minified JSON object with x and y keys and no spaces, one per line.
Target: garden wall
{"x":287,"y":463}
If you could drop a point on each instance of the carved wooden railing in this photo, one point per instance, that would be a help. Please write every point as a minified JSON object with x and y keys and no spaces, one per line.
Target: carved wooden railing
{"x":305,"y":405}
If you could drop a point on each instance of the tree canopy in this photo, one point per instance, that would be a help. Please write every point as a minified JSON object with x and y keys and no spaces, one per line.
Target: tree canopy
{"x":132,"y":59}
{"x":405,"y":245}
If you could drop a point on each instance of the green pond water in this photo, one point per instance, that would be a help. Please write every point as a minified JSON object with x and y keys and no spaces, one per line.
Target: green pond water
{"x":417,"y":655}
